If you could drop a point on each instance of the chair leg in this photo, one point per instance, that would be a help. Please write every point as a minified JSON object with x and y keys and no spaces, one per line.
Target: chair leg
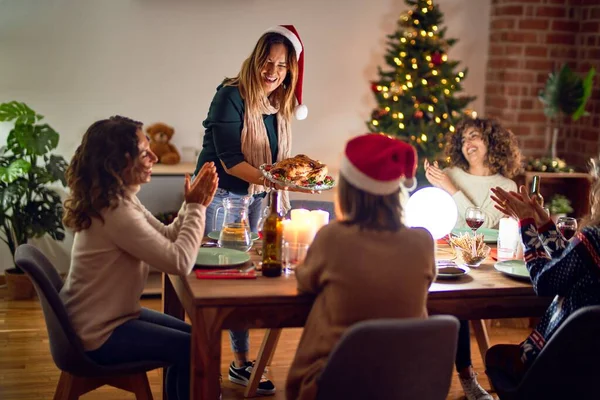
{"x":267,"y":348}
{"x":71,"y":387}
{"x":64,"y":389}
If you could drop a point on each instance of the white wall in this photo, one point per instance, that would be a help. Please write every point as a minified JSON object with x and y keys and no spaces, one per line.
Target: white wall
{"x":76,"y":61}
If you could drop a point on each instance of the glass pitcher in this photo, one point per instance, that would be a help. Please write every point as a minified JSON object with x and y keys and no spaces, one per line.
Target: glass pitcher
{"x":235,"y":232}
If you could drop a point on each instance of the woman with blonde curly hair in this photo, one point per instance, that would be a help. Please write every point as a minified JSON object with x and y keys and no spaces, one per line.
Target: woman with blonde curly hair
{"x":565,"y":270}
{"x":116,"y":238}
{"x":482,"y":155}
{"x":249,"y":124}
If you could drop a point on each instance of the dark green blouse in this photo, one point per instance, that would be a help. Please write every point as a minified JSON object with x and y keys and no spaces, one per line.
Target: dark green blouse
{"x":222,"y":137}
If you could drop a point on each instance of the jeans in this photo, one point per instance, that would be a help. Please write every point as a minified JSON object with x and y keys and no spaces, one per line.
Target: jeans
{"x":463,"y":349}
{"x":154,"y":336}
{"x":240,"y":342}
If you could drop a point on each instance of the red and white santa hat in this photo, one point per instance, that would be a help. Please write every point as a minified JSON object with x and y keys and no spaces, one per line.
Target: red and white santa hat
{"x":290,"y":32}
{"x":377,"y":163}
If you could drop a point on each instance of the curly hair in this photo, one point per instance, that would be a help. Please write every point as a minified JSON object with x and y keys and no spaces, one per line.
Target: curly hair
{"x":503,"y":154}
{"x":593,"y":218}
{"x":94,"y":175}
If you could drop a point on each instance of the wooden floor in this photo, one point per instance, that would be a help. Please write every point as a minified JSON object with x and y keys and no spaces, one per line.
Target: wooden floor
{"x":27,"y":370}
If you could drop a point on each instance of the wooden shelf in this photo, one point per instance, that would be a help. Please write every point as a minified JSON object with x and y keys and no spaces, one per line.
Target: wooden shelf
{"x":174,"y":170}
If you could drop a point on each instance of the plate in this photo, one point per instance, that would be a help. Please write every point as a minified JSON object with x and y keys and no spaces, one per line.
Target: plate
{"x":489,"y":235}
{"x":513,"y":268}
{"x":452,"y":272}
{"x":220,"y":257}
{"x":284,"y":182}
{"x":215,"y":235}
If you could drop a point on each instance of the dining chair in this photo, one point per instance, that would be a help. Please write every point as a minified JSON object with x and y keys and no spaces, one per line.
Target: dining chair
{"x":566,"y":368}
{"x":79,"y":373}
{"x":390,"y":359}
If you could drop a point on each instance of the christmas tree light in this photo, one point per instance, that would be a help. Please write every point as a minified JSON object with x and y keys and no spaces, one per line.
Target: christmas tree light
{"x":418,"y":95}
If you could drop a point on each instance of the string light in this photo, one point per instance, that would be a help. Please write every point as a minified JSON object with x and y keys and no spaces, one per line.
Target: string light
{"x":434,"y":72}
{"x":412,"y":42}
{"x":435,"y":28}
{"x":375,"y":122}
{"x":397,"y":61}
{"x":395,"y":98}
{"x":402,"y":54}
{"x":400,"y":115}
{"x":423,"y":33}
{"x":438,"y":120}
{"x":404,"y":87}
{"x":408,"y":77}
{"x":424,"y":10}
{"x":451,"y":129}
{"x":445,"y":57}
{"x":440,"y":146}
{"x":457,"y":79}
{"x":444,"y":81}
{"x":434,"y":100}
{"x":428,"y":58}
{"x":387,"y":109}
{"x":401,"y":125}
{"x":423,"y":137}
{"x":444,"y":115}
{"x":424,"y":81}
{"x":412,"y":137}
{"x":430,"y":34}
{"x":474,"y":114}
{"x":385,"y":95}
{"x":394,"y":115}
{"x":409,"y":84}
{"x":414,"y":66}
{"x":403,"y":40}
{"x":416,"y":22}
{"x":385,"y":89}
{"x":430,"y":108}
{"x":446,"y":91}
{"x":461,"y":74}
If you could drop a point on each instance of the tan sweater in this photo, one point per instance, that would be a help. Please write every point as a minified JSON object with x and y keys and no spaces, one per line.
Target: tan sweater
{"x":357,"y":275}
{"x":109,"y":264}
{"x":474,"y":191}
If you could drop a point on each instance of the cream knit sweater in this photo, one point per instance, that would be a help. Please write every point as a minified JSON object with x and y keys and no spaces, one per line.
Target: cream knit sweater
{"x":109,"y":264}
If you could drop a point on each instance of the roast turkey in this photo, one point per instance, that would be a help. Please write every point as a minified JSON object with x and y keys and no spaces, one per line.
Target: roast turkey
{"x":300,"y":170}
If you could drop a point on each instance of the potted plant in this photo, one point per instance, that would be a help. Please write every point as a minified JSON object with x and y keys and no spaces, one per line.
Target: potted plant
{"x":565,"y":95}
{"x":29,"y":208}
{"x":559,"y":206}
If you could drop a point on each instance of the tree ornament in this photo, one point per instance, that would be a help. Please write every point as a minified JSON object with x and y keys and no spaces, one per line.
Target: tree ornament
{"x":374,"y":87}
{"x":436,"y":58}
{"x":419,"y":114}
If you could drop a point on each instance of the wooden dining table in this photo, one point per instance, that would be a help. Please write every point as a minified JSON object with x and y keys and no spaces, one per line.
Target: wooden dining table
{"x":275,"y":303}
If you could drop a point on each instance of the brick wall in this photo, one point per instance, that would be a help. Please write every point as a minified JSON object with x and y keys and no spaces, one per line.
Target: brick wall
{"x":528,"y":39}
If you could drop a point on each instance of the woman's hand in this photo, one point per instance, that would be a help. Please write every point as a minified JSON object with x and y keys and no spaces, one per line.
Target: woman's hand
{"x":519,"y":205}
{"x":203,"y":189}
{"x":438,"y":178}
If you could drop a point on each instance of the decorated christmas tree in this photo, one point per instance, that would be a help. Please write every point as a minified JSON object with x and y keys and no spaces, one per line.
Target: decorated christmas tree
{"x":417,"y":95}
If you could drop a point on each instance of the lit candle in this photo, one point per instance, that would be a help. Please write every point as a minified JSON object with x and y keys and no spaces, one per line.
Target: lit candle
{"x":289,"y":231}
{"x":305,"y":230}
{"x":320,"y":218}
{"x":299,"y":214}
{"x":508,"y":238}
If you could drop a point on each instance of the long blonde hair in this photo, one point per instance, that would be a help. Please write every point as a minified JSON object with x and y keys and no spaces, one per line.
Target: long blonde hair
{"x":249,"y":79}
{"x":593,"y":218}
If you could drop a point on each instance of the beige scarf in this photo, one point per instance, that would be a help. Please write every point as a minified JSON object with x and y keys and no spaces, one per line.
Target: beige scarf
{"x":255,"y":143}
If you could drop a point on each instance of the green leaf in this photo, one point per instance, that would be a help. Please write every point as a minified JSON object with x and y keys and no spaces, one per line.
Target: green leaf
{"x":564,"y":93}
{"x":14,"y":171}
{"x":19,"y":112}
{"x":37,"y":139}
{"x":588,"y":83}
{"x":57,"y":166}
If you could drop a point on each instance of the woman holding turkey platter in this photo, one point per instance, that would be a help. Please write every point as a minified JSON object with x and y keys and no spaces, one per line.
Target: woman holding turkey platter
{"x":248,"y":125}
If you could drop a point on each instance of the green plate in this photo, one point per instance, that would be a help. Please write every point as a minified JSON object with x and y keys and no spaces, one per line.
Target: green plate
{"x":514,"y":268}
{"x":215,"y":235}
{"x":489,"y":235}
{"x":220,"y":257}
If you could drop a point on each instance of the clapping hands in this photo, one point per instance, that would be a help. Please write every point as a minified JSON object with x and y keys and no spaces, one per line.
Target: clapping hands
{"x":203,"y":189}
{"x":519,"y":205}
{"x":438,"y":178}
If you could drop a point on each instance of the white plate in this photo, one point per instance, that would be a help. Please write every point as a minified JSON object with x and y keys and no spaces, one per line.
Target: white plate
{"x":286,"y":183}
{"x":220,"y":257}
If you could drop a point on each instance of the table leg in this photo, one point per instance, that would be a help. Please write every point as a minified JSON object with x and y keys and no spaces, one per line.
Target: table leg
{"x":483,"y":341}
{"x":267,"y":349}
{"x":171,"y":305}
{"x":206,"y":355}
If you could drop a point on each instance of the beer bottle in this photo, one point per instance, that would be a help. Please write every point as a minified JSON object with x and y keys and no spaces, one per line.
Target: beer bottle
{"x":535,"y":190}
{"x":273,"y":239}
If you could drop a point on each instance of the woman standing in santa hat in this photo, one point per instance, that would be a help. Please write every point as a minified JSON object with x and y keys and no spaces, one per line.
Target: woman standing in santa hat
{"x":249,"y":124}
{"x":369,"y":224}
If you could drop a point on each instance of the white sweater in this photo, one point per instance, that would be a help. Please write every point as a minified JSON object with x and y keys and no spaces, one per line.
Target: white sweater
{"x":474,"y":191}
{"x":109,"y":264}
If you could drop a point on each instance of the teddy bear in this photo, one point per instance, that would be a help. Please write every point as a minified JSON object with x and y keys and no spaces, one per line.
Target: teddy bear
{"x":160,"y":134}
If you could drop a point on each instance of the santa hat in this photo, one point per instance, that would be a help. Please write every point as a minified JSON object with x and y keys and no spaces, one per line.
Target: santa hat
{"x":377,"y":163}
{"x":301,"y":111}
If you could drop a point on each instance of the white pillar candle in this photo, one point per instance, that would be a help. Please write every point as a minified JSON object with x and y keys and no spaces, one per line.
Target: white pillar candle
{"x":508,"y":238}
{"x":299,"y":214}
{"x":320,"y":218}
{"x":305,"y":230}
{"x":290,"y":234}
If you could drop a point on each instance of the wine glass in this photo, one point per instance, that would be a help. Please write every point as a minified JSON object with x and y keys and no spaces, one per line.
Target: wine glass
{"x":474,"y":217}
{"x":567,"y":227}
{"x":293,"y":255}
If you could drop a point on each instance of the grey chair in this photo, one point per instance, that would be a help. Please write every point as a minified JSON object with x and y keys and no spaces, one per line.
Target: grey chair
{"x":566,"y":368}
{"x":392,"y":359}
{"x":79,"y":373}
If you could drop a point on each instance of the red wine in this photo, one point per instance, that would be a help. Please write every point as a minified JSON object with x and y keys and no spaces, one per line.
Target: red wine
{"x":567,"y":232}
{"x":474,"y":223}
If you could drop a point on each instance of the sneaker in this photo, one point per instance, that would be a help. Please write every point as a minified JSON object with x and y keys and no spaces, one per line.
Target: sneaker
{"x":473,"y":390}
{"x":241,"y":376}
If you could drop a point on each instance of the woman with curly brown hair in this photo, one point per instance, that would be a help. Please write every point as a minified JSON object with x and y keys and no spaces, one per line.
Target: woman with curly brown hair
{"x":482,"y":155}
{"x":116,"y":238}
